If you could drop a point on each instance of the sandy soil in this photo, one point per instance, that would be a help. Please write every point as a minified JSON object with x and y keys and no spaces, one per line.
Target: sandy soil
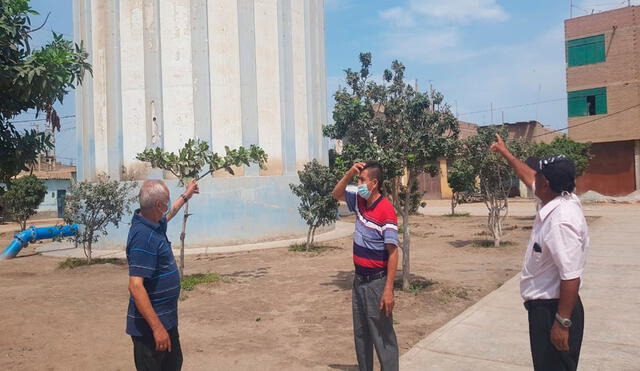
{"x":278,"y":310}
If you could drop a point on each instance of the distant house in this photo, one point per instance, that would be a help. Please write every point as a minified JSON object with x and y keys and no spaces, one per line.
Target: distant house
{"x":58,"y":179}
{"x":530,"y":131}
{"x":603,"y":95}
{"x":437,"y":187}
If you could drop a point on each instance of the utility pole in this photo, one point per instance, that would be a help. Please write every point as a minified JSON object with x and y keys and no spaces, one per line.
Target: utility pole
{"x":491,"y":113}
{"x":570,"y":8}
{"x":503,"y":117}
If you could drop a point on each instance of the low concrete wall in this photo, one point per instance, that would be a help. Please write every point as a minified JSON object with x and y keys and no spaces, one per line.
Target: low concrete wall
{"x":230,"y":211}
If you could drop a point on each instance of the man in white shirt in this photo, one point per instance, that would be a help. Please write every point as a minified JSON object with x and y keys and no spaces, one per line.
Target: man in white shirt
{"x":554,"y":261}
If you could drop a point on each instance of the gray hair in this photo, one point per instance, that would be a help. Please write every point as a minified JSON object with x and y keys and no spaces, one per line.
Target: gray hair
{"x":152,"y":191}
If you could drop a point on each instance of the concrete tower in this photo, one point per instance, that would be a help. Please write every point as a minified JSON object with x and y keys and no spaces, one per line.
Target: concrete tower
{"x":230,"y":72}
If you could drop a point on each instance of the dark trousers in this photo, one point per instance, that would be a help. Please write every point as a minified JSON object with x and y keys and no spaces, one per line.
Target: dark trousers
{"x":147,"y":358}
{"x":372,"y":328}
{"x":545,"y":356}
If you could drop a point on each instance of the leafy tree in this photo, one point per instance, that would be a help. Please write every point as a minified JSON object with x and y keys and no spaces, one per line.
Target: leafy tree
{"x":462,"y":180}
{"x":580,"y":153}
{"x":31,"y":79}
{"x":495,"y":176}
{"x":96,"y":205}
{"x":23,"y":198}
{"x":391,"y":122}
{"x":317,"y":205}
{"x":190,"y":162}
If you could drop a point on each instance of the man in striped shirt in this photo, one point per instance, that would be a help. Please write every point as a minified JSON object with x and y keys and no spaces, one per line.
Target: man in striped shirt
{"x":375,"y":256}
{"x":154,"y":280}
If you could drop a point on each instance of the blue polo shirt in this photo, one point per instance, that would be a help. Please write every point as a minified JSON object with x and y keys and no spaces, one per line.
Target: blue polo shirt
{"x":150,"y":256}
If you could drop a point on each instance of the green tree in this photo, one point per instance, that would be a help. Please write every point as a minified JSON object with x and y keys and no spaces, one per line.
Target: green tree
{"x":31,"y":80}
{"x":317,"y":205}
{"x":95,"y":206}
{"x":23,"y":198}
{"x":192,"y":159}
{"x":580,"y":153}
{"x":391,"y":122}
{"x":462,"y":181}
{"x":496,"y":178}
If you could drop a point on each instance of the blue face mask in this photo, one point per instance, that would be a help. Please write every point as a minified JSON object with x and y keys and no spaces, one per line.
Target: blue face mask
{"x":364,"y":191}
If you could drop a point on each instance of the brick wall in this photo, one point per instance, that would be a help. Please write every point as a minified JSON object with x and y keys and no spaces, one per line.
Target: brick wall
{"x":620,"y":74}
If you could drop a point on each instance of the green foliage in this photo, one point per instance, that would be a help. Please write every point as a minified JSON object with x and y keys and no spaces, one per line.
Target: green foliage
{"x":95,"y":206}
{"x":23,"y":198}
{"x":190,"y":161}
{"x":71,"y":263}
{"x":494,"y":174}
{"x":418,"y":285}
{"x":317,"y":205}
{"x":390,"y":122}
{"x":462,"y":181}
{"x":18,"y":150}
{"x":189,"y":282}
{"x":195,"y":155}
{"x":580,"y":153}
{"x":393,"y":123}
{"x":31,"y":79}
{"x":457,"y":215}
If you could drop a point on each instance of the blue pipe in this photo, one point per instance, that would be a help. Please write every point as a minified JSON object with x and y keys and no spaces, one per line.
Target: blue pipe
{"x":32,"y":233}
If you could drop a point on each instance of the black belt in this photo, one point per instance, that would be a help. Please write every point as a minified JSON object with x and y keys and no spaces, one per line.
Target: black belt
{"x":371,"y":277}
{"x":539,"y":302}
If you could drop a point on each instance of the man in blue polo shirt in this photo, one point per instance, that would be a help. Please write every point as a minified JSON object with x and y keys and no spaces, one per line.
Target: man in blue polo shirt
{"x":154,"y":279}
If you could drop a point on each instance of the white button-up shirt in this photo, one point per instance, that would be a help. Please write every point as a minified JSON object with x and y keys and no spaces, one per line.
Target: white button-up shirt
{"x":557,"y":249}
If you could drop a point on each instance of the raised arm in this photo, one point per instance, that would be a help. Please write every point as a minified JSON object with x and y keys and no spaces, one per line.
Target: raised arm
{"x":524,"y":172}
{"x":192,"y":188}
{"x":340,"y":188}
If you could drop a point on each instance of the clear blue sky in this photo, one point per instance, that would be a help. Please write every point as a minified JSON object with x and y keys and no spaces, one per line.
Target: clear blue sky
{"x":476,"y":52}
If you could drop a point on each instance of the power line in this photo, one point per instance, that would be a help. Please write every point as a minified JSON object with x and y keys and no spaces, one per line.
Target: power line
{"x":516,"y":106}
{"x":36,"y":120}
{"x":587,"y":122}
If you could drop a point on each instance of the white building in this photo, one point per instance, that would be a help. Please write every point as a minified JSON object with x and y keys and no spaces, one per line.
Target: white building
{"x":230,"y":72}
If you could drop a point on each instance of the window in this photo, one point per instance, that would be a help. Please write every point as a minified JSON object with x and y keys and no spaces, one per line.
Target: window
{"x":587,"y":50}
{"x":588,"y":102}
{"x":53,"y":194}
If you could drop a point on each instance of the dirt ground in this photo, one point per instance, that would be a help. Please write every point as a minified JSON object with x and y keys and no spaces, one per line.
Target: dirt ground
{"x":277,"y":310}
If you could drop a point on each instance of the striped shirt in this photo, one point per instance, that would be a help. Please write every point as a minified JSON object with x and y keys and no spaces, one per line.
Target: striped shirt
{"x":376,"y":226}
{"x":150,"y":256}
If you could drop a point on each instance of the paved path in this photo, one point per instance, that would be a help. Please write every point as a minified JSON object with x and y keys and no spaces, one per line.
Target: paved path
{"x":493,"y":333}
{"x":65,"y":249}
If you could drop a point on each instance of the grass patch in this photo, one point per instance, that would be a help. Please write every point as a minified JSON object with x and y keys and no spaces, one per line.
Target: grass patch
{"x":489,"y":243}
{"x":189,"y":282}
{"x":300,"y":247}
{"x":71,"y":263}
{"x":418,"y":285}
{"x":448,"y":293}
{"x":457,"y":215}
{"x":499,"y":284}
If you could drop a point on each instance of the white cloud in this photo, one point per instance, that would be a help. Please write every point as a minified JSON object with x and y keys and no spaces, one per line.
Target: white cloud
{"x":451,"y":11}
{"x":517,"y":74}
{"x":427,"y":47}
{"x":398,"y":16}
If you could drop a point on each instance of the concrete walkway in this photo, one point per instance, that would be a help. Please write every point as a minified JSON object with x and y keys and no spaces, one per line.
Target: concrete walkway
{"x":66,"y":249}
{"x":493,"y":333}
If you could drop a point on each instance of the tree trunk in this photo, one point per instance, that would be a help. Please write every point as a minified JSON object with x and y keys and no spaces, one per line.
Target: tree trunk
{"x":406,"y":241}
{"x":313,"y":234}
{"x":182,"y":236}
{"x":406,"y":236}
{"x":453,"y":204}
{"x":308,"y":244}
{"x":89,"y":260}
